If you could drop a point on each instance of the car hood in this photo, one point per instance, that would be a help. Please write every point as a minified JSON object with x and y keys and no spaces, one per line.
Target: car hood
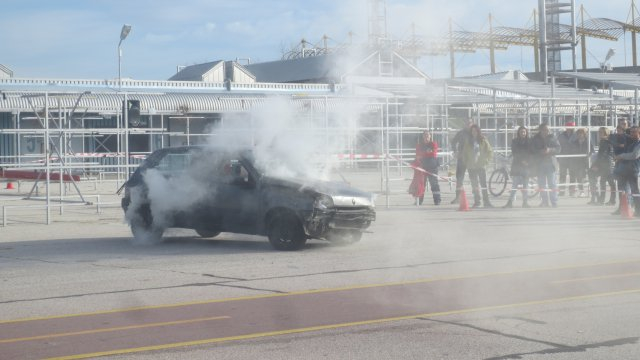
{"x":341,"y":193}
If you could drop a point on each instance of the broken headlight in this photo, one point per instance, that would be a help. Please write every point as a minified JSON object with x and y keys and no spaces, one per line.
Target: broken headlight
{"x":323,"y":202}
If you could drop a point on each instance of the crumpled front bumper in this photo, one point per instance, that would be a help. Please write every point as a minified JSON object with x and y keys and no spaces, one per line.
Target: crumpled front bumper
{"x":320,"y":222}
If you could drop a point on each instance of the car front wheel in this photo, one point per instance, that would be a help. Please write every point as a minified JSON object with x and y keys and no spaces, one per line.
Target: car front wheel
{"x":285,"y":232}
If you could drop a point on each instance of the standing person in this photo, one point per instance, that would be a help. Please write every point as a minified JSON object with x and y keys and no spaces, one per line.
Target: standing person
{"x":602,"y":168}
{"x":427,"y":159}
{"x":427,"y":153}
{"x":619,"y":141}
{"x":566,"y":144}
{"x":545,"y":147}
{"x":457,"y":144}
{"x":521,"y":153}
{"x":578,"y":165}
{"x":621,"y":137}
{"x":629,"y":166}
{"x":476,"y":154}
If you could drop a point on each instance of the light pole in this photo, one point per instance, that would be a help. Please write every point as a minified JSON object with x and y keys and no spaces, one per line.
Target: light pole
{"x":126,"y":29}
{"x":604,"y":66}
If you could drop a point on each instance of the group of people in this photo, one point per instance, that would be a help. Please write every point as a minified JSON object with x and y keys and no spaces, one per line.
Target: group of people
{"x":544,"y":156}
{"x":475,"y":153}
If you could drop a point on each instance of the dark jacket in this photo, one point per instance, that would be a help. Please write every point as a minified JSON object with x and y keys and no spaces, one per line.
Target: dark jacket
{"x":629,"y":165}
{"x":580,"y":148}
{"x":545,"y":163}
{"x":566,"y":142}
{"x":619,"y":142}
{"x":521,"y":153}
{"x":604,"y":158}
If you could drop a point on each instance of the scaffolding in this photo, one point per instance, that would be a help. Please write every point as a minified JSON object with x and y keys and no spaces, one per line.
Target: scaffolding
{"x":74,"y":132}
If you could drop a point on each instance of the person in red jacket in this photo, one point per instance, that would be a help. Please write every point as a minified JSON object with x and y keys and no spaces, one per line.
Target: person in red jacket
{"x":427,"y":161}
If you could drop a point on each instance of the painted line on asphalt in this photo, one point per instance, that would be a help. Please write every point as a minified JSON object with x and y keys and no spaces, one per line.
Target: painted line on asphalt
{"x":596,"y":278}
{"x":317,"y":291}
{"x":342,"y":325}
{"x":95,"y":331}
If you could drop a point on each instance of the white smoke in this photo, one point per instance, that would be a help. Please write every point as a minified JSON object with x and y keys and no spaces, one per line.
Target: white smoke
{"x":293,"y":138}
{"x":173,"y":194}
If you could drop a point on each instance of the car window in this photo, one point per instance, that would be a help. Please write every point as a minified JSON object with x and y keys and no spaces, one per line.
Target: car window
{"x":233,"y":171}
{"x":173,"y":163}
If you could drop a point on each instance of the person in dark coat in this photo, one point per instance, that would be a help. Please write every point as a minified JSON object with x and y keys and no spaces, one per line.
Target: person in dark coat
{"x":544,"y":148}
{"x":579,"y":164}
{"x":602,"y":168}
{"x":457,"y":143}
{"x":629,"y":167}
{"x":521,"y":154}
{"x":566,"y":144}
{"x":620,"y":140}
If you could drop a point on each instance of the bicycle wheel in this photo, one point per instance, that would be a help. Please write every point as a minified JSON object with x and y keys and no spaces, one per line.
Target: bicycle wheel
{"x":498,"y":181}
{"x":533,"y":190}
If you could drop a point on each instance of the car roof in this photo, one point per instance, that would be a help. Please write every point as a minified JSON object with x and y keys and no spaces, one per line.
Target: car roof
{"x":216,"y":148}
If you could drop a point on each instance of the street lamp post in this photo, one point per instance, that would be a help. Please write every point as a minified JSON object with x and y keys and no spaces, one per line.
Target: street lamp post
{"x":604,"y":66}
{"x":126,"y":29}
{"x":607,"y":66}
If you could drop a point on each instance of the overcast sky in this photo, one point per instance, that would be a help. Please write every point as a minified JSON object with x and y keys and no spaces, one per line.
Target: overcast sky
{"x":79,"y":38}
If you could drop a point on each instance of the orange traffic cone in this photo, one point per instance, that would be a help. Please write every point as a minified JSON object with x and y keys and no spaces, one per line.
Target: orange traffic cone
{"x":10,"y":186}
{"x":464,"y":205}
{"x":625,"y":210}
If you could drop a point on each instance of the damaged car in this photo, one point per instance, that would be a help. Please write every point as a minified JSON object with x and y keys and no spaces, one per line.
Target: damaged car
{"x":213,"y":190}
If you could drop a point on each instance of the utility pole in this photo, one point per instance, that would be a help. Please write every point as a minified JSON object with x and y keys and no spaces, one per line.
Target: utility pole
{"x":583,"y":40}
{"x":633,"y":33}
{"x":452,"y":59}
{"x":492,"y":50}
{"x":543,"y":38}
{"x":536,"y":48}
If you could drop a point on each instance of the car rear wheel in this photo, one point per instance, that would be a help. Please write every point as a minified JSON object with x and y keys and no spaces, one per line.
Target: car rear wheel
{"x":344,"y":237}
{"x":285,"y":232}
{"x":207,"y":233}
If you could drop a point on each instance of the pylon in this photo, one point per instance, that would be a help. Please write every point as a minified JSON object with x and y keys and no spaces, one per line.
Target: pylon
{"x":625,"y":210}
{"x":464,"y":205}
{"x":10,"y":186}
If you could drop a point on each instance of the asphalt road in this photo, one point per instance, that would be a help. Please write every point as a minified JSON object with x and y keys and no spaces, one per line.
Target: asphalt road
{"x":427,"y":283}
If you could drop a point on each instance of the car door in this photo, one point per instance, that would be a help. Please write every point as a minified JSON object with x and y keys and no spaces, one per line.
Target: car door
{"x":237,"y":198}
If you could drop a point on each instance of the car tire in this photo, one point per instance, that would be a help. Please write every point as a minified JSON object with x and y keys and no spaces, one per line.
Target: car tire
{"x":344,"y":237}
{"x":285,"y":232}
{"x":144,"y":234}
{"x":207,"y":233}
{"x":144,"y":231}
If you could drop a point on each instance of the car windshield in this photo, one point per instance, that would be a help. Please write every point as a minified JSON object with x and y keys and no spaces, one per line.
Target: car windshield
{"x":278,"y":169}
